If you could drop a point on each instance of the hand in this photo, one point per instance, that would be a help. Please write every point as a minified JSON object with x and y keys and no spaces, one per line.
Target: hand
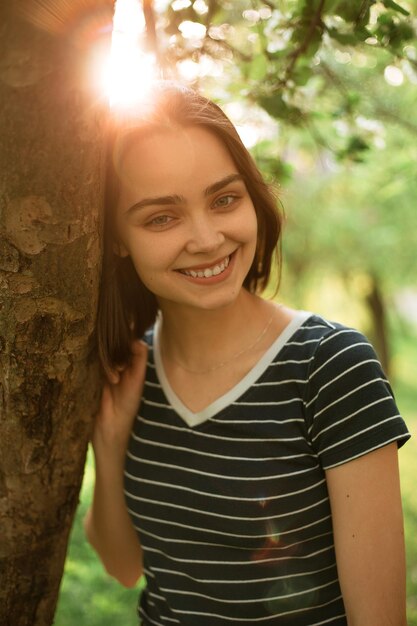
{"x":120,"y":401}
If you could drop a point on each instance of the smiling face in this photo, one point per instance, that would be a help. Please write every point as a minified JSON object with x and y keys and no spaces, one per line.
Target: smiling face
{"x":186,"y":218}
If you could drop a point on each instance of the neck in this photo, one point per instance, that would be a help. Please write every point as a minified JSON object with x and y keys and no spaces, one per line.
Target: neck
{"x":200,"y":338}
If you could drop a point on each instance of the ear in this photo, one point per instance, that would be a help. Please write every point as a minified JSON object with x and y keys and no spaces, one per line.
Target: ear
{"x":119,"y":249}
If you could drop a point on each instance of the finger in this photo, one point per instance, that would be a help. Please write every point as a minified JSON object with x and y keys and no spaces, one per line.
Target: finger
{"x":137,"y":346}
{"x":139,"y":358}
{"x":113,"y":376}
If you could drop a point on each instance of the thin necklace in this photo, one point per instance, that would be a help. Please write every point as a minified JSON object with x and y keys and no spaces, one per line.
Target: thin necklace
{"x":223,"y":363}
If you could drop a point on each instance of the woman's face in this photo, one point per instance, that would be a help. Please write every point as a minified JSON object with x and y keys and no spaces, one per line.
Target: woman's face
{"x":186,"y":219}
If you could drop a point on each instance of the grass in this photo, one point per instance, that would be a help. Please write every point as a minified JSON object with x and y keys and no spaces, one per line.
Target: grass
{"x":89,"y":597}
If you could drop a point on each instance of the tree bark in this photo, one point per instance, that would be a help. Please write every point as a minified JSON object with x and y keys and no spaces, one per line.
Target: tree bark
{"x":376,"y":306}
{"x":51,"y":165}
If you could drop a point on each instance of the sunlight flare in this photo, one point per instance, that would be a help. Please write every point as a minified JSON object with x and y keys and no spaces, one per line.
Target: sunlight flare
{"x":128,"y":72}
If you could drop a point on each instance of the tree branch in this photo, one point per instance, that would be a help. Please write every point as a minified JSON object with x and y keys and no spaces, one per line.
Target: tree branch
{"x":294,"y":56}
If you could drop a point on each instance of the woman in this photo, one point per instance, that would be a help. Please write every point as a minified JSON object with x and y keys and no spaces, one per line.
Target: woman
{"x":246,"y":453}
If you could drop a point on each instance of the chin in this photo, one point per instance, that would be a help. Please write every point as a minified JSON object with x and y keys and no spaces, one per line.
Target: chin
{"x":205,"y":302}
{"x":214,"y":302}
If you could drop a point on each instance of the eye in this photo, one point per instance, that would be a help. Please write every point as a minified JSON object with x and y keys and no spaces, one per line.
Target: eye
{"x":225,"y":201}
{"x":160,"y":221}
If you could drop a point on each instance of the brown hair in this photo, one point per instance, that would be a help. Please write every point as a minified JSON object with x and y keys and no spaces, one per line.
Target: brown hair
{"x":126,"y":308}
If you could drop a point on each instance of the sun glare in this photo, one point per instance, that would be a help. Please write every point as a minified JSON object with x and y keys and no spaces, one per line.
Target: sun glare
{"x":128,"y":72}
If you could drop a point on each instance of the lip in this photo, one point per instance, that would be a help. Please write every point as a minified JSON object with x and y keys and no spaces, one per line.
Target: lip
{"x":212,"y":280}
{"x":196,"y":268}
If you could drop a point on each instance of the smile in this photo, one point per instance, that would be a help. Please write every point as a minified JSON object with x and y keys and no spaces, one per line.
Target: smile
{"x":208,"y":272}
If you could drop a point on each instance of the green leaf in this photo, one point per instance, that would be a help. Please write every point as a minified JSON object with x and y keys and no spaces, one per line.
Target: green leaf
{"x":357,"y":144}
{"x":275,"y":167}
{"x":385,"y":19}
{"x":362,"y":33}
{"x":355,"y":149}
{"x":354,"y":11}
{"x":404,"y":32}
{"x":393,"y":33}
{"x":331,"y":6}
{"x":348,"y":10}
{"x":346,"y":39}
{"x":390,"y":4}
{"x":276,"y":106}
{"x":301,"y":75}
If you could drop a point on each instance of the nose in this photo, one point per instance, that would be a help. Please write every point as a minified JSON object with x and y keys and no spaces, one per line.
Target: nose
{"x":205,"y":235}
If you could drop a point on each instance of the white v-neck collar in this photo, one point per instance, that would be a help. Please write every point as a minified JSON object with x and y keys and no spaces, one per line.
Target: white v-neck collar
{"x":195,"y":419}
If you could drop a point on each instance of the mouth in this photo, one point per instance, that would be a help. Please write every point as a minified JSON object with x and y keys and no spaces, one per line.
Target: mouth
{"x":209,"y":271}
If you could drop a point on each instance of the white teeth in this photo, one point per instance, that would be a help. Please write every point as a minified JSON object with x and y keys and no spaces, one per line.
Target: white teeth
{"x":209,"y":271}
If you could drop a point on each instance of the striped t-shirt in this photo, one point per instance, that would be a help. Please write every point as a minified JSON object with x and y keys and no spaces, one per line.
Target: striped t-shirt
{"x":231,"y":504}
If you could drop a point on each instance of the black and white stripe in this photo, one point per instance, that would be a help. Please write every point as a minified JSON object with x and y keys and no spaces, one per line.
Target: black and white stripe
{"x":232,"y":508}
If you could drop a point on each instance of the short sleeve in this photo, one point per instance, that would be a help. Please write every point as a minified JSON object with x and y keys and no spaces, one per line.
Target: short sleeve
{"x":349,"y":405}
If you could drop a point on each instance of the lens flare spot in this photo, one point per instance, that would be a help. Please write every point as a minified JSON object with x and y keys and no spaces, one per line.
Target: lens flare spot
{"x":290,"y":594}
{"x":393,"y":76}
{"x":127,"y":74}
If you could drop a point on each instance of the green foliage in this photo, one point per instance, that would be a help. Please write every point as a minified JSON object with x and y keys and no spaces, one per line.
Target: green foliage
{"x":354,"y":149}
{"x":277,"y":107}
{"x":279,"y":54}
{"x":390,"y":4}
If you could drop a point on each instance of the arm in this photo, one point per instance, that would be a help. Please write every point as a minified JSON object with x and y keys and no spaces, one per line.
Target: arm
{"x":107,"y":524}
{"x":369,"y":537}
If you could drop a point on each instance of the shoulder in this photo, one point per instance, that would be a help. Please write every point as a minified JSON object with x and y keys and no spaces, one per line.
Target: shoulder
{"x":349,"y":404}
{"x":343,"y":370}
{"x":314,"y":326}
{"x":344,"y":364}
{"x":321,"y":339}
{"x":329,"y":330}
{"x":340,"y":349}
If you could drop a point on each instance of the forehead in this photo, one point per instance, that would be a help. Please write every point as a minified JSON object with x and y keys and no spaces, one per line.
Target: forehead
{"x":174,"y":160}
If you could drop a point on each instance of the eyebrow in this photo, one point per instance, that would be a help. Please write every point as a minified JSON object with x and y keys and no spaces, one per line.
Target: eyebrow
{"x":222,"y":183}
{"x":176,"y":199}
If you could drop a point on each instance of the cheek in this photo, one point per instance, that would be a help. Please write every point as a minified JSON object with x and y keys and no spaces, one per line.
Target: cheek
{"x":146,"y":259}
{"x":149,"y":256}
{"x":146,"y":269}
{"x":249,"y":225}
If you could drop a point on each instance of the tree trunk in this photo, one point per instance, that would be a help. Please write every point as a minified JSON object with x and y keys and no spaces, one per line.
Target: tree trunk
{"x":50,"y":196}
{"x":376,"y":306}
